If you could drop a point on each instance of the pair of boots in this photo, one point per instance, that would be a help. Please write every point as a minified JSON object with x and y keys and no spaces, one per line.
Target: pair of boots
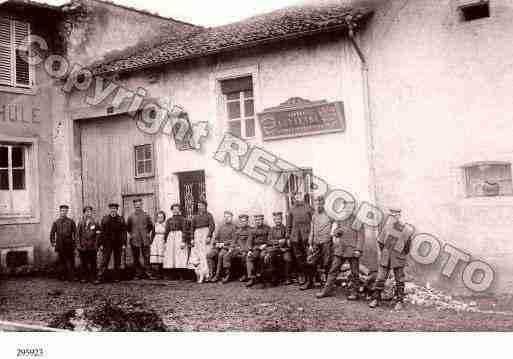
{"x":224,"y":279}
{"x":399,"y":297}
{"x":327,"y":290}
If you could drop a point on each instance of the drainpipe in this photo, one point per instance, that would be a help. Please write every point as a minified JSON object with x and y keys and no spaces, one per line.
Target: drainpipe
{"x":367,"y":115}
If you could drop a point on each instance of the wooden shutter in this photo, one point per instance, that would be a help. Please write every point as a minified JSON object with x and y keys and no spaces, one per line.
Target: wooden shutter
{"x":6,"y":52}
{"x":21,"y":32}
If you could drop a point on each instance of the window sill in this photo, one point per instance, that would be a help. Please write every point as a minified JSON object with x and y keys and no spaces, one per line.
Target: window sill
{"x":18,"y":220}
{"x":19,"y":90}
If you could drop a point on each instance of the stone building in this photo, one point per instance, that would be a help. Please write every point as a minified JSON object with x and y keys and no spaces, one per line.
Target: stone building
{"x":397,"y":103}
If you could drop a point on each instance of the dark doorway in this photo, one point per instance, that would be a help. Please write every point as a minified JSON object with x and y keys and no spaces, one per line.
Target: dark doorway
{"x":192,"y":189}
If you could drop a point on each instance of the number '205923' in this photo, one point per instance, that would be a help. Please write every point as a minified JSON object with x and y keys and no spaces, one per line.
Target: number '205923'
{"x":30,"y":352}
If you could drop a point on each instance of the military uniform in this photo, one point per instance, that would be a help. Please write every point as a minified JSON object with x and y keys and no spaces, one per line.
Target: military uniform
{"x":139,"y":227}
{"x":88,"y":233}
{"x":394,"y":241}
{"x":224,"y":239}
{"x":62,"y":236}
{"x":320,"y":243}
{"x":278,"y":254}
{"x":347,"y":246}
{"x":112,"y":240}
{"x":239,"y":249}
{"x":258,"y":238}
{"x":298,"y":231}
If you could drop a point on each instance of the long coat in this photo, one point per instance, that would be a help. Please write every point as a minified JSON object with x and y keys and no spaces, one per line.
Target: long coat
{"x":139,"y":226}
{"x":346,"y":240}
{"x":63,"y":234}
{"x":394,"y":241}
{"x":298,"y":223}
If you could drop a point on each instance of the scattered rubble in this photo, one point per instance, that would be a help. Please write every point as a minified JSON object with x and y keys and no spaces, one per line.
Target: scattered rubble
{"x":430,"y":297}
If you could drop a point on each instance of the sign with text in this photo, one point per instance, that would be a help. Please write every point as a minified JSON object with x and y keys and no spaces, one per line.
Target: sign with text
{"x":299,"y":117}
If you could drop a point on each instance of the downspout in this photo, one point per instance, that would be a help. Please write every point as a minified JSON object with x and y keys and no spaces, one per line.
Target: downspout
{"x":367,"y":115}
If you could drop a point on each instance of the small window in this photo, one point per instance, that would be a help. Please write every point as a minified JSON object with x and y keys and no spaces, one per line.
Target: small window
{"x":488,"y":179}
{"x":475,"y":10}
{"x":15,"y":71}
{"x":143,"y":161}
{"x":240,"y":108}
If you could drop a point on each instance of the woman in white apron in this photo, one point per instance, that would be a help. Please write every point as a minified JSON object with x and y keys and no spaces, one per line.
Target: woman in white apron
{"x":157,"y":244}
{"x":202,"y":227}
{"x":176,"y":251}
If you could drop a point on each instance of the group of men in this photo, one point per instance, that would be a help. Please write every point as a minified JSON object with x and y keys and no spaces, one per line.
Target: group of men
{"x":312,"y":243}
{"x":109,"y":236}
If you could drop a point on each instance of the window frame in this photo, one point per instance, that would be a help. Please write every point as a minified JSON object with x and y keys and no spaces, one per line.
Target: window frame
{"x":145,"y":174}
{"x":306,"y":177}
{"x":31,"y":158}
{"x":13,"y":85}
{"x":467,"y":180}
{"x":242,"y":108}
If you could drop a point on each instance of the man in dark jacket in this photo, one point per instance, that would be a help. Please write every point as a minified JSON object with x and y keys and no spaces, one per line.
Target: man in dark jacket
{"x":257,"y":243}
{"x":62,"y":237}
{"x":139,"y":227}
{"x":239,"y":249}
{"x":277,"y":256}
{"x":112,"y":241}
{"x":88,"y":233}
{"x":298,"y":231}
{"x":224,"y":239}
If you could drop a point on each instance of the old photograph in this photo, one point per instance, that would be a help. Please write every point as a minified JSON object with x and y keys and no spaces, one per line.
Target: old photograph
{"x":256,"y":166}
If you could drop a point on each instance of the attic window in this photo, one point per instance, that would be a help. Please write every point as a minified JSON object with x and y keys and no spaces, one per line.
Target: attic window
{"x":475,"y":10}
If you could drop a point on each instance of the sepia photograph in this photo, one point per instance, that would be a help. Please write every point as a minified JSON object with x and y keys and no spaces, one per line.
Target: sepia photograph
{"x":287,"y":166}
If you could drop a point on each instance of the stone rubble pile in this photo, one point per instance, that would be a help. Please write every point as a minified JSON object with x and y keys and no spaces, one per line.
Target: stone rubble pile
{"x":430,"y":297}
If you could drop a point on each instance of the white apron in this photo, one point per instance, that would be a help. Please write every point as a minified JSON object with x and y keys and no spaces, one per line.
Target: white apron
{"x":157,"y":246}
{"x":175,"y":255}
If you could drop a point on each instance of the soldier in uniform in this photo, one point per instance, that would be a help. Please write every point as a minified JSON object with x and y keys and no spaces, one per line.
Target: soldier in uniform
{"x":63,"y":236}
{"x":394,"y":241}
{"x":298,"y":230}
{"x":223,"y":240}
{"x":347,"y":246}
{"x":278,"y":253}
{"x":140,"y":226}
{"x":257,"y":244}
{"x":239,"y":248}
{"x":112,"y":241}
{"x":88,"y":233}
{"x":319,"y":243}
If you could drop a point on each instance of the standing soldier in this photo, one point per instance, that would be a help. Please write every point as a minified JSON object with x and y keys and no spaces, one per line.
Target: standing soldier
{"x":139,"y":227}
{"x":278,"y":252}
{"x":112,"y":241}
{"x":319,"y":243}
{"x":257,"y":242}
{"x":63,"y":236}
{"x":394,"y":242}
{"x":88,"y":233}
{"x":347,"y":246}
{"x":224,"y":239}
{"x":239,"y":248}
{"x":298,"y":230}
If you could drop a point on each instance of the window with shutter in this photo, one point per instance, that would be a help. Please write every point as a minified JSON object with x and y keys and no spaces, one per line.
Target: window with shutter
{"x":14,"y":70}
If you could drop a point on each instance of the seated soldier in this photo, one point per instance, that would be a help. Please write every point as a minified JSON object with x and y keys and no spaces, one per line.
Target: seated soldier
{"x":238,"y":249}
{"x":277,"y":256}
{"x":224,"y":239}
{"x":257,"y":242}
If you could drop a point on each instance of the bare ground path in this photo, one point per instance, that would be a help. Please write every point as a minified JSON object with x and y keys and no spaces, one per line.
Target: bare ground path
{"x":187,"y":306}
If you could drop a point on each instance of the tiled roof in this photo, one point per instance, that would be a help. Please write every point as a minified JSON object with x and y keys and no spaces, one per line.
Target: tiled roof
{"x":280,"y":25}
{"x":28,"y":4}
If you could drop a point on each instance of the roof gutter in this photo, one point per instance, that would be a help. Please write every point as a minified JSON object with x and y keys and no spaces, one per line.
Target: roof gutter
{"x":367,"y":115}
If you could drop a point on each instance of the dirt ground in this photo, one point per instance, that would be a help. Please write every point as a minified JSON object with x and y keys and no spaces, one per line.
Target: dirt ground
{"x":187,"y":306}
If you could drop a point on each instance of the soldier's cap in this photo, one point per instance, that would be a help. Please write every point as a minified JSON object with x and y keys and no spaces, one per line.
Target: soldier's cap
{"x":394,"y":210}
{"x":86,"y":208}
{"x":228,"y":212}
{"x":63,"y":206}
{"x":137,"y":200}
{"x":243,"y":216}
{"x":113,"y":205}
{"x":277,"y":214}
{"x":258,"y":216}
